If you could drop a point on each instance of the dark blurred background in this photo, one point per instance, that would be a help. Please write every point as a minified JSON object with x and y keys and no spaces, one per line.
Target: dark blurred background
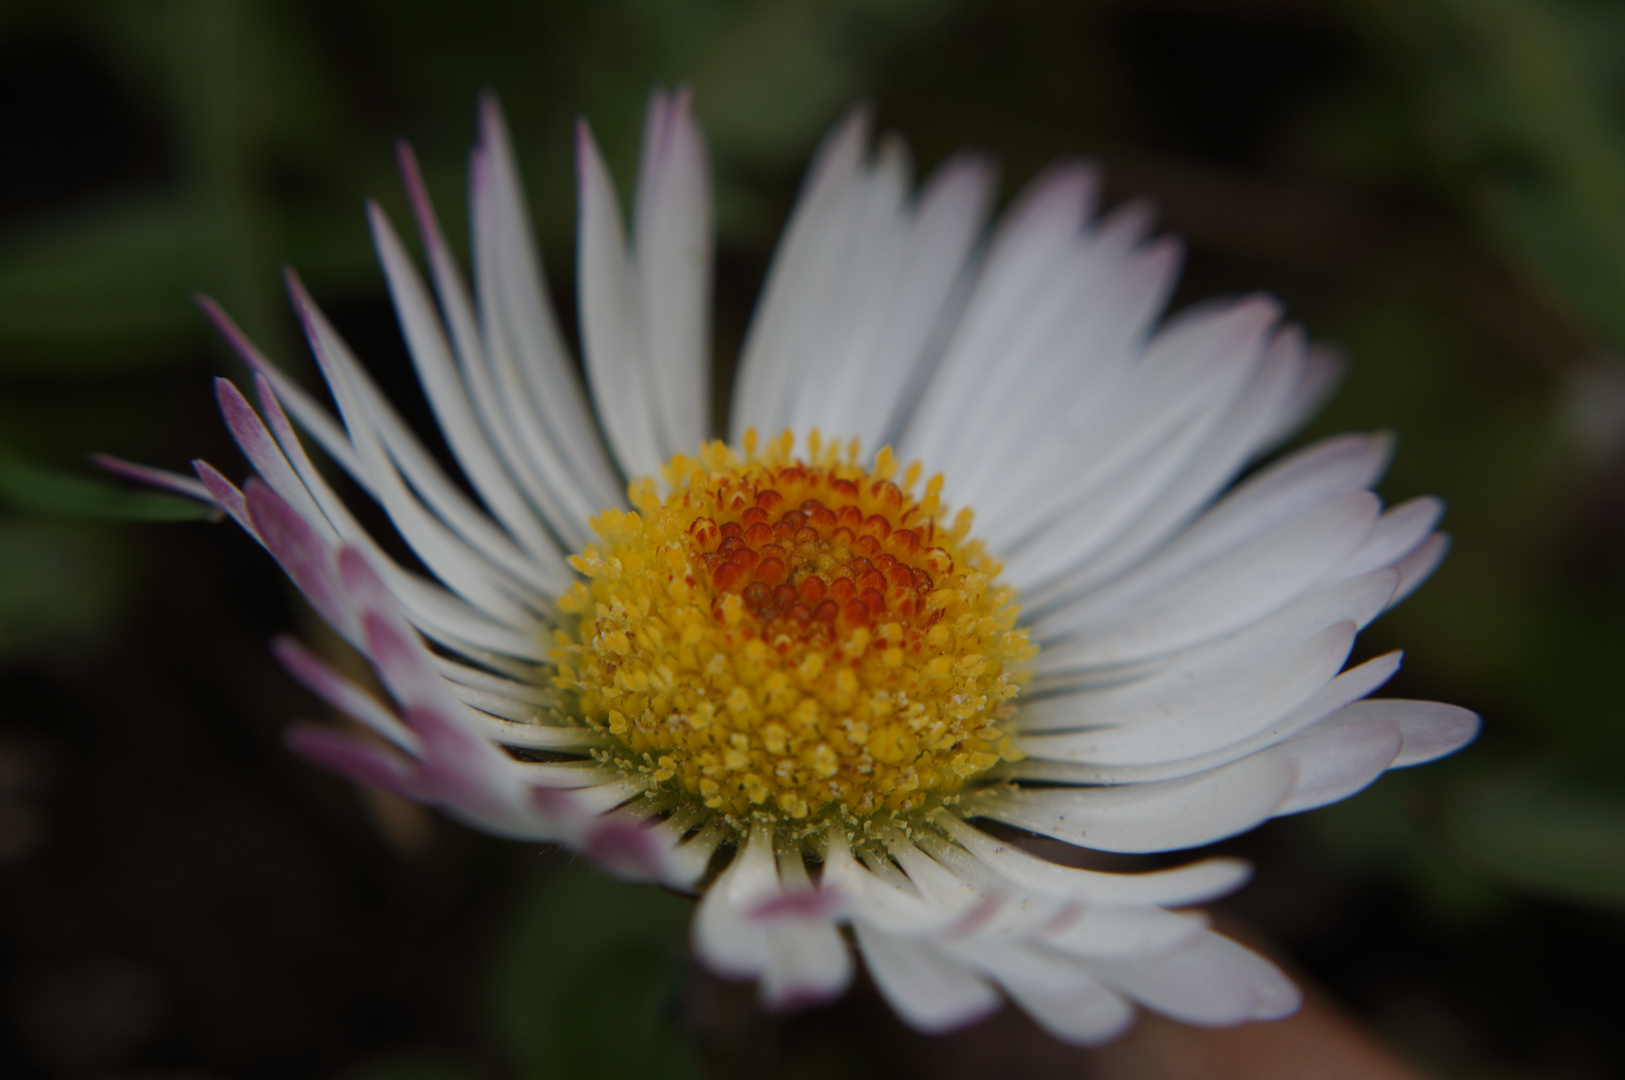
{"x":1435,"y":186}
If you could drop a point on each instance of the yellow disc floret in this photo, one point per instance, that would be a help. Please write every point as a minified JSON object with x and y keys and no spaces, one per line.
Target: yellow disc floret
{"x":793,"y":637}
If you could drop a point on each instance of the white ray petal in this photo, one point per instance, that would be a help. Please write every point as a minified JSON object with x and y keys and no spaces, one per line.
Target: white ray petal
{"x":1191,"y":884}
{"x":1289,"y":488}
{"x":672,"y":247}
{"x":1431,"y":728}
{"x":1203,"y":474}
{"x":1213,"y":982}
{"x":1350,"y":686}
{"x":443,"y":551}
{"x":618,"y":367}
{"x":1335,"y":761}
{"x":442,"y":616}
{"x":443,"y":384}
{"x":1162,"y":816}
{"x":1066,"y":684}
{"x":513,"y":298}
{"x":800,"y":272}
{"x":1170,"y":717}
{"x":1149,"y":617}
{"x":928,"y":990}
{"x":725,"y":936}
{"x":1196,"y":365}
{"x":1086,"y":1014}
{"x":1397,"y":533}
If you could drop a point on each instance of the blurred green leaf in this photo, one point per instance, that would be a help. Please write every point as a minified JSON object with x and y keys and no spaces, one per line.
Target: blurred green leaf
{"x":1522,"y":97}
{"x":1547,"y":832}
{"x":588,"y":977}
{"x":1380,"y":832}
{"x":39,"y":490}
{"x":106,"y":287}
{"x":61,"y":586}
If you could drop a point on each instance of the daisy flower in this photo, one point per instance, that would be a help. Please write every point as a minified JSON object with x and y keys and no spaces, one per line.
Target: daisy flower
{"x":985,"y":554}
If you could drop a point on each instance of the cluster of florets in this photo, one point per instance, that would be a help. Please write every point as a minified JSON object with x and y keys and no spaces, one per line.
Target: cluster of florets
{"x":794,"y":637}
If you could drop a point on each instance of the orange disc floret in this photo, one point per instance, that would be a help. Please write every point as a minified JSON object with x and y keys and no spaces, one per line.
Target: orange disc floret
{"x":794,"y":636}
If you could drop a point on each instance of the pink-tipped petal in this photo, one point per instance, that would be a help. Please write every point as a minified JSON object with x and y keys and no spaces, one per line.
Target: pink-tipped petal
{"x":316,"y":676}
{"x":355,"y":759}
{"x":300,"y":549}
{"x":365,"y":586}
{"x":626,"y":847}
{"x":275,"y":418}
{"x":402,"y":662}
{"x":228,"y":329}
{"x":459,"y":769}
{"x":176,"y":483}
{"x":225,"y":495}
{"x":267,"y":457}
{"x":812,"y":903}
{"x":417,"y":193}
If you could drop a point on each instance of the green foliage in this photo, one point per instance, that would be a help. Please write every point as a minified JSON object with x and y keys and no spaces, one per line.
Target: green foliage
{"x":587,"y":979}
{"x":100,"y":290}
{"x":61,"y":587}
{"x":1522,"y":104}
{"x":1556,"y":827}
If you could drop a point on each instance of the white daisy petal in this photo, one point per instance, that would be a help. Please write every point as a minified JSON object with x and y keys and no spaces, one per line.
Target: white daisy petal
{"x":435,"y":611}
{"x":1400,"y":531}
{"x":1161,"y":816}
{"x":1170,"y":502}
{"x":1351,"y":685}
{"x":1145,"y":619}
{"x":910,"y":255}
{"x":1296,"y":484}
{"x":1063,"y":665}
{"x":1187,"y":885}
{"x":725,"y":935}
{"x":449,"y":392}
{"x":1166,"y":718}
{"x":1213,"y":982}
{"x":1084,"y":1014}
{"x":804,"y":269}
{"x":1431,"y":729}
{"x":928,"y":990}
{"x":618,"y":367}
{"x":463,"y":551}
{"x":515,"y":311}
{"x":1335,"y":761}
{"x":807,"y":961}
{"x":673,"y":250}
{"x":1416,"y":567}
{"x":1194,"y":367}
{"x":1029,"y":251}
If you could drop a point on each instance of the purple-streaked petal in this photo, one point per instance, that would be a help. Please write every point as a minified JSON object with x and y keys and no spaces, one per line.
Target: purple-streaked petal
{"x":316,"y":676}
{"x":224,"y":494}
{"x":356,"y":759}
{"x":176,"y":483}
{"x":303,"y":553}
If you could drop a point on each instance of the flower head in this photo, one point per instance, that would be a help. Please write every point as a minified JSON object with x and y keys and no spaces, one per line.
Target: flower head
{"x":794,"y":670}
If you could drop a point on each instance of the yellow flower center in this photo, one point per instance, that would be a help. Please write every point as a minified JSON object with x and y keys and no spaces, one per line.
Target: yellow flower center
{"x":793,"y":637}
